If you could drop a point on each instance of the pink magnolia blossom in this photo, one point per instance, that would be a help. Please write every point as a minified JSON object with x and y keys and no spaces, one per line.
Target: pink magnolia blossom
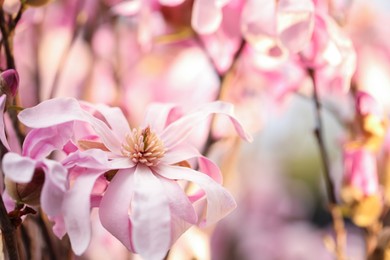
{"x":65,"y":194}
{"x":144,"y":205}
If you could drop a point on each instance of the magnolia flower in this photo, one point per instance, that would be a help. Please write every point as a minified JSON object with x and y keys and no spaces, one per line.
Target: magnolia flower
{"x":144,"y":205}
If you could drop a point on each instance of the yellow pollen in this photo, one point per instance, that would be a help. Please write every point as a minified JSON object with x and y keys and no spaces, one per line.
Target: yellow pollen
{"x":143,"y":146}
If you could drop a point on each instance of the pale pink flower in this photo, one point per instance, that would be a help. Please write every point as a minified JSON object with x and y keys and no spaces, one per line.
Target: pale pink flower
{"x":67,"y":185}
{"x":144,"y":206}
{"x":284,"y":24}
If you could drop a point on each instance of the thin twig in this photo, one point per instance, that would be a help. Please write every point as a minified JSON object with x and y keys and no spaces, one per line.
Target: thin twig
{"x":338,"y":222}
{"x":7,"y":41}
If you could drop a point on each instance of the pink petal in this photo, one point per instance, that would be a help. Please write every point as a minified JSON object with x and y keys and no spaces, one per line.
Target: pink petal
{"x":87,"y":166}
{"x":39,"y":143}
{"x":171,"y":2}
{"x":157,"y":116}
{"x":178,"y":227}
{"x":54,"y":187}
{"x":18,"y":168}
{"x":186,"y":152}
{"x":116,"y":119}
{"x":210,"y":168}
{"x":76,"y":210}
{"x":150,"y":215}
{"x":121,"y":163}
{"x":219,"y":201}
{"x":179,"y":203}
{"x":206,"y":16}
{"x":59,"y":226}
{"x":258,"y":24}
{"x":127,"y":8}
{"x":51,"y":113}
{"x":114,"y":207}
{"x":295,"y":23}
{"x":90,"y":159}
{"x":176,"y":132}
{"x":180,"y":153}
{"x":3,"y":137}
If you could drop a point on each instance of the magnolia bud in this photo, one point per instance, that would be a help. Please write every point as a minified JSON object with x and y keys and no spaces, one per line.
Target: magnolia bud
{"x":9,"y":82}
{"x":27,"y":193}
{"x":37,"y":3}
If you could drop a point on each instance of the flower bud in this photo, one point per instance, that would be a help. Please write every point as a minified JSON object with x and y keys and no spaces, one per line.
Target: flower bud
{"x":27,"y":193}
{"x":9,"y":82}
{"x":37,"y":3}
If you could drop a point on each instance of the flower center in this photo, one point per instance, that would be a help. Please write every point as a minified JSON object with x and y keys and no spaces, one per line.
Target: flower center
{"x":143,"y":146}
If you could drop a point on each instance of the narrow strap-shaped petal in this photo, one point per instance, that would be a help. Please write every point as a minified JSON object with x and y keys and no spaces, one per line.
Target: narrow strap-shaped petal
{"x":180,"y":153}
{"x":150,"y":215}
{"x":76,"y":210}
{"x":3,"y":137}
{"x":54,"y":187}
{"x":176,"y":132}
{"x":219,"y":201}
{"x":115,"y":204}
{"x":18,"y":168}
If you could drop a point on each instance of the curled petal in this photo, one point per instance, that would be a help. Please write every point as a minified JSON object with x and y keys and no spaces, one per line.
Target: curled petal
{"x":219,"y":201}
{"x":59,"y":226}
{"x":62,"y":110}
{"x":18,"y":168}
{"x":150,"y":215}
{"x":39,"y":143}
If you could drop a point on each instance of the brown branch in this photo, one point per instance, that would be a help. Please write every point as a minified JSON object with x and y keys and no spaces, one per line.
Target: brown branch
{"x":338,"y":222}
{"x":8,"y":233}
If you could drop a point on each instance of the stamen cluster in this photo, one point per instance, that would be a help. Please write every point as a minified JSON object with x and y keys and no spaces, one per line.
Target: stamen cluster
{"x":143,"y":146}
